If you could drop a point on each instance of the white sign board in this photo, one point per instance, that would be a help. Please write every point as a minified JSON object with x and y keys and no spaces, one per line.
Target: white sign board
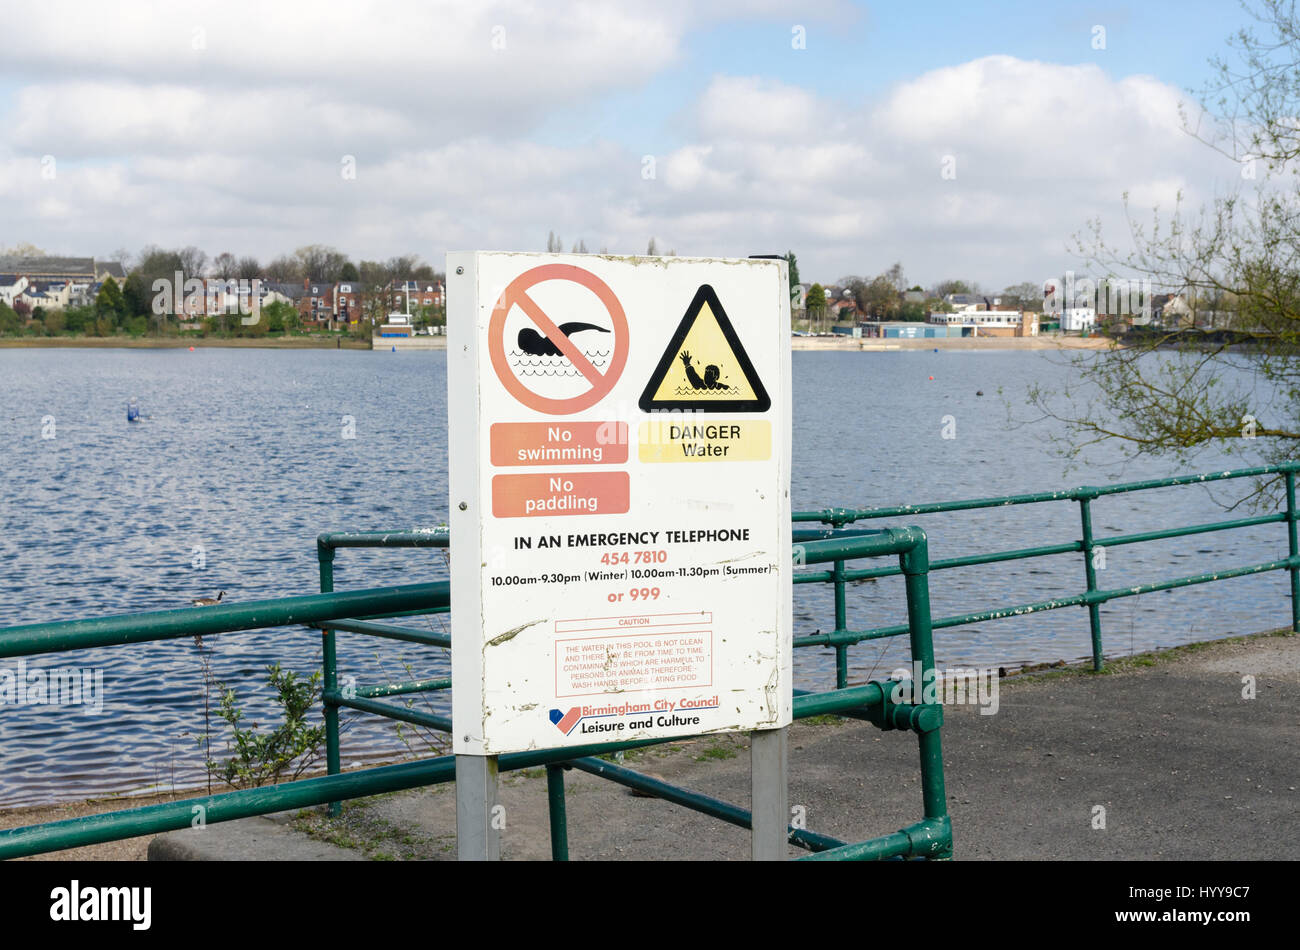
{"x":619,"y":439}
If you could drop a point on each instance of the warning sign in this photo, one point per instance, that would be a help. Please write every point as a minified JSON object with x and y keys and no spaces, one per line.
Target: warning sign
{"x":602,"y":593}
{"x":558,"y":365}
{"x":705,"y":367}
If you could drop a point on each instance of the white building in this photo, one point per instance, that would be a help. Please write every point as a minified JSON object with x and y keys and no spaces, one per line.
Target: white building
{"x":979,"y":318}
{"x":1075,"y":319}
{"x":9,"y":291}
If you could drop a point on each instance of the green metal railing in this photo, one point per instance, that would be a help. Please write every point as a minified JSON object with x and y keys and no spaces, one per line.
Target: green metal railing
{"x":873,"y":702}
{"x":1087,"y":544}
{"x":363,"y":700}
{"x":212,"y":621}
{"x":368,"y":612}
{"x":931,"y":837}
{"x":361,"y":612}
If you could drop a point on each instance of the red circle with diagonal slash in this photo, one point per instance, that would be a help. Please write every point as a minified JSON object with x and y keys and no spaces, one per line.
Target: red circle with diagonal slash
{"x":516,"y":293}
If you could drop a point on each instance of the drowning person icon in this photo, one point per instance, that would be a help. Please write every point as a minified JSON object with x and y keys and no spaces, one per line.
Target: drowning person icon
{"x":711,"y":374}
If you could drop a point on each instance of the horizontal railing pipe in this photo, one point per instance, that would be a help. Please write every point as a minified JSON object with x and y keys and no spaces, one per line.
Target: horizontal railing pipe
{"x":1165,"y":533}
{"x":389,"y":632}
{"x":307,"y":609}
{"x":227,"y":806}
{"x":402,"y":689}
{"x":845,"y":516}
{"x":416,"y":717}
{"x":704,"y":804}
{"x":419,"y":538}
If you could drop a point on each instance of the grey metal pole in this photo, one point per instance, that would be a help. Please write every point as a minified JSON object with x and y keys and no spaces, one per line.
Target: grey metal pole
{"x":769,"y":773}
{"x":479,"y":819}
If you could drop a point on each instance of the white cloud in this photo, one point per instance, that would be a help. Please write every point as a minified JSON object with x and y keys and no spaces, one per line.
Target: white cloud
{"x":238,"y":146}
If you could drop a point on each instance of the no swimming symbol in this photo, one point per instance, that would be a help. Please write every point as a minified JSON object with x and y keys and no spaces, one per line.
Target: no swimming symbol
{"x":549,"y":338}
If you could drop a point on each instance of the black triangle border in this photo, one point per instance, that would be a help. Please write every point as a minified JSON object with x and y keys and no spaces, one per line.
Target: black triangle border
{"x":761,"y":401}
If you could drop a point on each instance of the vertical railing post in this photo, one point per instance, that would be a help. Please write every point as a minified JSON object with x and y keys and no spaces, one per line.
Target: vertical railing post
{"x":915,"y":564}
{"x":329,"y":661}
{"x":1292,"y":548}
{"x":1090,"y":573}
{"x":559,"y":818}
{"x":841,"y":625}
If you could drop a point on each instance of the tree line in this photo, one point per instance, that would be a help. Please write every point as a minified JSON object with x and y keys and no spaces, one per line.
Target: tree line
{"x":129,"y":307}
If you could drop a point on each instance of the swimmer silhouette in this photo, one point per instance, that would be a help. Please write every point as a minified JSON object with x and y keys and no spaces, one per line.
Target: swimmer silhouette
{"x":535,"y":344}
{"x":711,"y":374}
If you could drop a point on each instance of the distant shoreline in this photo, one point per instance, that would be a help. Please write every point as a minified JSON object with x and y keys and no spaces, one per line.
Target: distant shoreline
{"x":885,"y":345}
{"x":813,"y":343}
{"x":181,"y":343}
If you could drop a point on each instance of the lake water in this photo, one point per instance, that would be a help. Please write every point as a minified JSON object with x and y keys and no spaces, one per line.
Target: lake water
{"x":242,"y":460}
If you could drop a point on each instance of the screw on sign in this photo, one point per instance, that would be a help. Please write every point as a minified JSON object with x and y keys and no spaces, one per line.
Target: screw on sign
{"x":545,"y":349}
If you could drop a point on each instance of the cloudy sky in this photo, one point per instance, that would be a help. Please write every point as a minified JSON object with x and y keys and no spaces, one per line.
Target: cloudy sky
{"x":964,"y":140}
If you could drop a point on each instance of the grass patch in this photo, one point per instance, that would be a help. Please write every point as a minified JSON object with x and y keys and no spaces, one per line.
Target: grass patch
{"x":717,"y":750}
{"x":371,"y":836}
{"x":826,"y":719}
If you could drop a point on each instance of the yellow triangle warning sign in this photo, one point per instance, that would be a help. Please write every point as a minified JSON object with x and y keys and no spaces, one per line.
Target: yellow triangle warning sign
{"x":705,"y":367}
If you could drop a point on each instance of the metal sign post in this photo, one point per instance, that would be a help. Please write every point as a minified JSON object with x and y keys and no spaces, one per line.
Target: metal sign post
{"x":769,"y":764}
{"x":619,"y":436}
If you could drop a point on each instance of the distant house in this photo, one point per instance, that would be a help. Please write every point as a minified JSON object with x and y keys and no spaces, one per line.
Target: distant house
{"x":82,"y":293}
{"x":1171,"y":310}
{"x":422,"y":293}
{"x":49,"y":268}
{"x":349,"y":301}
{"x":841,"y":310}
{"x":11,"y":285}
{"x":75,"y":269}
{"x":113,"y":269}
{"x":1078,"y":319}
{"x":277,"y":290}
{"x":46,"y":294}
{"x":316,"y":305}
{"x":34,"y":297}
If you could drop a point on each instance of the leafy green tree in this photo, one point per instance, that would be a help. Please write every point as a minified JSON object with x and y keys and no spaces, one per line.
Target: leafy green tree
{"x":137,"y":295}
{"x":913,"y":312}
{"x":10,"y":322}
{"x":880,"y":298}
{"x":349,"y":272}
{"x":280,"y":316}
{"x":816,"y":299}
{"x":80,"y":319}
{"x":794,"y":273}
{"x":109,"y":303}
